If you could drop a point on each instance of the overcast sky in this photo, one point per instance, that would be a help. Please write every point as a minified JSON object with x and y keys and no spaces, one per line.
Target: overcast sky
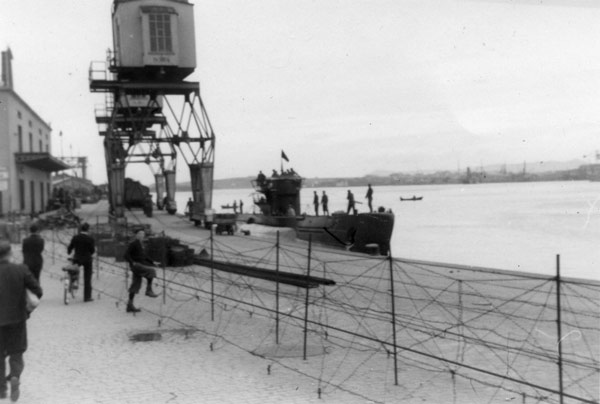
{"x":345,"y":87}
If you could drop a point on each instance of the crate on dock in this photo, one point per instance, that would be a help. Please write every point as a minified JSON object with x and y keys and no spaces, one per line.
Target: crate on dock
{"x":106,"y":248}
{"x":180,"y":256}
{"x":119,"y":251}
{"x":157,"y":248}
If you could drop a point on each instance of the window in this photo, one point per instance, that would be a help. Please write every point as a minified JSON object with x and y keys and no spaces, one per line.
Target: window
{"x":41,"y":147}
{"x":31,"y":142}
{"x":32,"y":189}
{"x":42,"y":197}
{"x":21,"y":195}
{"x":20,"y":135}
{"x":160,"y":33}
{"x":19,"y":114}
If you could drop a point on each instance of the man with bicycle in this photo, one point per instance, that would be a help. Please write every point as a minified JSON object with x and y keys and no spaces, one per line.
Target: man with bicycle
{"x":84,"y":246}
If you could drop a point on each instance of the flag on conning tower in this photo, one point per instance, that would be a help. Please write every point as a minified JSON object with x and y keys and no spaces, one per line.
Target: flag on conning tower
{"x":283,"y":156}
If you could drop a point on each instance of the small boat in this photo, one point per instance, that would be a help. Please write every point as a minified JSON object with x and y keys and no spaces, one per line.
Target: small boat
{"x":414,"y":198}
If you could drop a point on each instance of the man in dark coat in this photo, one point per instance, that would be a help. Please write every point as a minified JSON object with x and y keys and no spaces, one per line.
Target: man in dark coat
{"x":141,"y":267}
{"x":84,"y":246}
{"x":351,"y":207}
{"x":14,"y":279}
{"x":369,"y":197}
{"x":33,"y":245}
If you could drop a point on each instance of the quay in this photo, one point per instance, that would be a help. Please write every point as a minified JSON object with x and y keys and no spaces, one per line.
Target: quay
{"x":86,"y":352}
{"x":449,"y":334}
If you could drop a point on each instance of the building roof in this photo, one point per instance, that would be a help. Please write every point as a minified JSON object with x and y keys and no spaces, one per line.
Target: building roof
{"x":41,"y":161}
{"x":59,"y":179}
{"x":14,"y":94}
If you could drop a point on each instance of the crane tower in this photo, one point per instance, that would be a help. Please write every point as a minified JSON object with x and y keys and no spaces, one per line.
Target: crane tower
{"x":150,"y":114}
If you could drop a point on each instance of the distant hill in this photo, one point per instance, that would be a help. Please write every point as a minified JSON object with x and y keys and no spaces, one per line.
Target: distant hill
{"x":383,"y":177}
{"x":227,"y":183}
{"x":530,"y":167}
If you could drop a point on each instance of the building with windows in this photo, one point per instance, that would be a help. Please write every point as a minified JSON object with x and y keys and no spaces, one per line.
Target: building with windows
{"x":26,"y":162}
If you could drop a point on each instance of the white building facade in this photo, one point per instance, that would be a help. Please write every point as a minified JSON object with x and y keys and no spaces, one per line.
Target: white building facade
{"x":26,"y":162}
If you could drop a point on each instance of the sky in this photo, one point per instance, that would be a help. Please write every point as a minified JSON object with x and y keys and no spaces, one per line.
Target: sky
{"x":344,"y":87}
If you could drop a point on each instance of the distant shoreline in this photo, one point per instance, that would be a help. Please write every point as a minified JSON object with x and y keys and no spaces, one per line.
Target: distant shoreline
{"x":589,"y":172}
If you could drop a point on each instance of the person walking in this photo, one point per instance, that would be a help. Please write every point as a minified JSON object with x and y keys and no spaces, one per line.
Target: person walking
{"x":325,"y":203}
{"x":14,"y":279}
{"x":32,"y":248}
{"x":141,"y":267}
{"x":369,"y":197}
{"x":84,"y":246}
{"x":351,"y":207}
{"x":316,"y":203}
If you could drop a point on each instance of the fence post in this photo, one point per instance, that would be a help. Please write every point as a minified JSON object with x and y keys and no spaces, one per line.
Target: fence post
{"x":53,"y":245}
{"x":306,"y":300}
{"x":277,"y":290}
{"x":164,"y":264}
{"x":212,"y":277}
{"x":393,"y":317}
{"x":461,"y":339}
{"x":97,"y":255}
{"x":559,"y":329}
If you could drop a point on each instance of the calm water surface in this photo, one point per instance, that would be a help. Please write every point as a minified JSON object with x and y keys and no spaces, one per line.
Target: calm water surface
{"x":514,"y":226}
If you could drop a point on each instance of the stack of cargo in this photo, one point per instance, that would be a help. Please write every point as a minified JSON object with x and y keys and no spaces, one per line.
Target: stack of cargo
{"x":169,"y":250}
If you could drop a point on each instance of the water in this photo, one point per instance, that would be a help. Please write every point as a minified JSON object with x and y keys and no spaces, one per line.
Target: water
{"x":513,"y":226}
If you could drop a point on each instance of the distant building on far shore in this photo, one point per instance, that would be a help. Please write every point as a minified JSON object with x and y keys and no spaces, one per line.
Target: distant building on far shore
{"x":26,"y":163}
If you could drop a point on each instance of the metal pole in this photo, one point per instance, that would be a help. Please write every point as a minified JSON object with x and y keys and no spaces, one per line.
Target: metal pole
{"x":558,"y":326}
{"x":97,"y":255}
{"x":460,"y":352}
{"x":393,"y":318}
{"x":277,"y":290}
{"x":306,"y":300}
{"x":164,"y":269}
{"x":53,"y":245}
{"x":212,"y":277}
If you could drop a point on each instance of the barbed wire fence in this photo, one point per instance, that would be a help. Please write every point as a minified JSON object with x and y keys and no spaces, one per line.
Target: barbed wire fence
{"x":389,"y":329}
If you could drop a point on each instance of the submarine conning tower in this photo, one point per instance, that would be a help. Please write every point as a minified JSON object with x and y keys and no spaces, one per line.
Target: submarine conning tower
{"x":151,"y":114}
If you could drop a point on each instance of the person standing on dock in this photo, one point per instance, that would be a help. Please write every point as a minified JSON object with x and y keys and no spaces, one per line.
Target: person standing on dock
{"x":241,"y":206}
{"x":351,"y":206}
{"x":14,"y":279}
{"x":141,"y":267}
{"x":84,"y":246}
{"x":32,"y":246}
{"x":316,"y":203}
{"x":189,"y":208}
{"x":324,"y":203}
{"x":369,"y":197}
{"x":234,"y":207}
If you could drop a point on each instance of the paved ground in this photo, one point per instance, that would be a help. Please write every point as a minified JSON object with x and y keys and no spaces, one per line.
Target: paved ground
{"x":82,"y":353}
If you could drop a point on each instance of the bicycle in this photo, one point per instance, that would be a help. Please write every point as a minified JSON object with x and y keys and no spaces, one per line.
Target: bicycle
{"x":70,"y":281}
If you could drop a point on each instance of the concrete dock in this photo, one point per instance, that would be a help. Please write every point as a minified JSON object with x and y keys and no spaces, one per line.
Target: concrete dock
{"x":177,"y":351}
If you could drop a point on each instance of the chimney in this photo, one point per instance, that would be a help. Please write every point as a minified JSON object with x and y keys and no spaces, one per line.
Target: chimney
{"x":7,"y":80}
